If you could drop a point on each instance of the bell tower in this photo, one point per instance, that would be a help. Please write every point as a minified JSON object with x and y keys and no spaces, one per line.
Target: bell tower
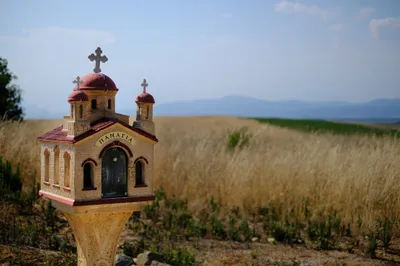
{"x":144,"y":110}
{"x":78,"y":100}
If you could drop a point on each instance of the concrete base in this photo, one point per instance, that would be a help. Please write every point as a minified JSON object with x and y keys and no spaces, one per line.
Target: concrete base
{"x":96,"y":236}
{"x":97,"y":229}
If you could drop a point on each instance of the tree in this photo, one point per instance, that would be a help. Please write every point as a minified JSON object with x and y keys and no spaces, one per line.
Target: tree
{"x":10,"y":94}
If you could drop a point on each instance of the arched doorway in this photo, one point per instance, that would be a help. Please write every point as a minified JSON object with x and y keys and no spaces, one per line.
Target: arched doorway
{"x":114,"y":174}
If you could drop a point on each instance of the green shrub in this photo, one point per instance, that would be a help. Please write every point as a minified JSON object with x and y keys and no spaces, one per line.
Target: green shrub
{"x":283,"y":232}
{"x":370,"y":251}
{"x":185,"y":219}
{"x":50,"y":216}
{"x":217,"y":228}
{"x":10,"y":181}
{"x":133,"y":248}
{"x":213,"y":205}
{"x":176,"y":204}
{"x":238,"y":138}
{"x":321,"y":233}
{"x":385,"y":232}
{"x":232,"y":232}
{"x":179,"y":257}
{"x":245,"y":230}
{"x":15,"y":180}
{"x":202,"y":228}
{"x":151,"y":211}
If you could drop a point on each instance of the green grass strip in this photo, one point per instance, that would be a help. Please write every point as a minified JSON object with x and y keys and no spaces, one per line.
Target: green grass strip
{"x":322,"y":126}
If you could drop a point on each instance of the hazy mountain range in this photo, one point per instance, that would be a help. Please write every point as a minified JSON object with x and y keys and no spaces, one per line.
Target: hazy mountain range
{"x":379,"y":110}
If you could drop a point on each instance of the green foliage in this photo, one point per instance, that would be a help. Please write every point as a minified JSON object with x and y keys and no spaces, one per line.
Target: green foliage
{"x":67,"y":259}
{"x":170,"y":221}
{"x":213,"y":205}
{"x":348,"y":230}
{"x":11,"y":186}
{"x":232,"y":231}
{"x":22,"y":221}
{"x":133,"y":248}
{"x":321,"y":126}
{"x":179,"y":257}
{"x":217,"y":228}
{"x":321,"y":233}
{"x":10,"y":181}
{"x":245,"y":230}
{"x":202,"y":227}
{"x":385,"y":232}
{"x":238,"y":138}
{"x":370,"y":251}
{"x":50,"y":215}
{"x":283,"y":232}
{"x":152,"y":211}
{"x":10,"y":94}
{"x":160,"y":194}
{"x":29,"y":199}
{"x":32,"y":231}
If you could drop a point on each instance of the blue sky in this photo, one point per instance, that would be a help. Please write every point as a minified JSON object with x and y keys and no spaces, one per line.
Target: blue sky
{"x":187,"y":50}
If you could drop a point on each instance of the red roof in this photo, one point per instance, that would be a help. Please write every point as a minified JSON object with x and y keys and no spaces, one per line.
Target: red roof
{"x":97,"y":81}
{"x":58,"y":134}
{"x":78,"y":96}
{"x":145,"y":97}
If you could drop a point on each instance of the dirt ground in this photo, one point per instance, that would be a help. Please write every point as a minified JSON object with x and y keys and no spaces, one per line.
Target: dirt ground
{"x":215,"y":253}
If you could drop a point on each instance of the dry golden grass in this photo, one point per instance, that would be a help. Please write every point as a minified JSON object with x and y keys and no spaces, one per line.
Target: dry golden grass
{"x":357,"y":177}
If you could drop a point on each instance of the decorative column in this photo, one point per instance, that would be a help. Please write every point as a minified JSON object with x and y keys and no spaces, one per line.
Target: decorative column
{"x":97,"y":229}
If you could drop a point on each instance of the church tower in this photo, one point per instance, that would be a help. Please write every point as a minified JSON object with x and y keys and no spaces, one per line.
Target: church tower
{"x":78,"y":123}
{"x":144,"y":111}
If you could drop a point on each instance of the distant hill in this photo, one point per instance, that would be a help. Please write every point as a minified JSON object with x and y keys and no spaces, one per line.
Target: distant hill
{"x":378,"y":110}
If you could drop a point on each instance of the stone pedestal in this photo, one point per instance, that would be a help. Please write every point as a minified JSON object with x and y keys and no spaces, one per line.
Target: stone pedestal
{"x":97,"y":229}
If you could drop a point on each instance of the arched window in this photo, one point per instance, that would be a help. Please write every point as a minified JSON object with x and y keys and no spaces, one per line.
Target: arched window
{"x":80,"y":111}
{"x":138,"y":113}
{"x":94,"y":104}
{"x":147,"y":112}
{"x":87,"y":175}
{"x":72,"y":111}
{"x":46,"y":165}
{"x":109,"y":104}
{"x":67,"y":160}
{"x":139,"y":173}
{"x":56,"y":165}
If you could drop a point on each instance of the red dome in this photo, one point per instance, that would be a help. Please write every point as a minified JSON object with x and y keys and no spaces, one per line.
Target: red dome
{"x":78,"y":96}
{"x":97,"y":81}
{"x":145,"y":97}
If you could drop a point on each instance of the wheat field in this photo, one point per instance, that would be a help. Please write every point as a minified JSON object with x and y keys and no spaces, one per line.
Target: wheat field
{"x":356,"y":177}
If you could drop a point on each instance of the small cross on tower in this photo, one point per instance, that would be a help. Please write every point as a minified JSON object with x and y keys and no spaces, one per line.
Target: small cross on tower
{"x":144,"y":85}
{"x":98,"y":58}
{"x":77,"y":81}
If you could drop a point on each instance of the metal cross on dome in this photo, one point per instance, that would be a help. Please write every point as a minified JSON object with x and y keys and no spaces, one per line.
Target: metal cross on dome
{"x":98,"y":58}
{"x":77,"y":81}
{"x":144,"y":85}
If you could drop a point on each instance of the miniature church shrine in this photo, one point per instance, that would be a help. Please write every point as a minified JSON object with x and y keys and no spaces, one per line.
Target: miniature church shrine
{"x":96,"y":162}
{"x":96,"y":154}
